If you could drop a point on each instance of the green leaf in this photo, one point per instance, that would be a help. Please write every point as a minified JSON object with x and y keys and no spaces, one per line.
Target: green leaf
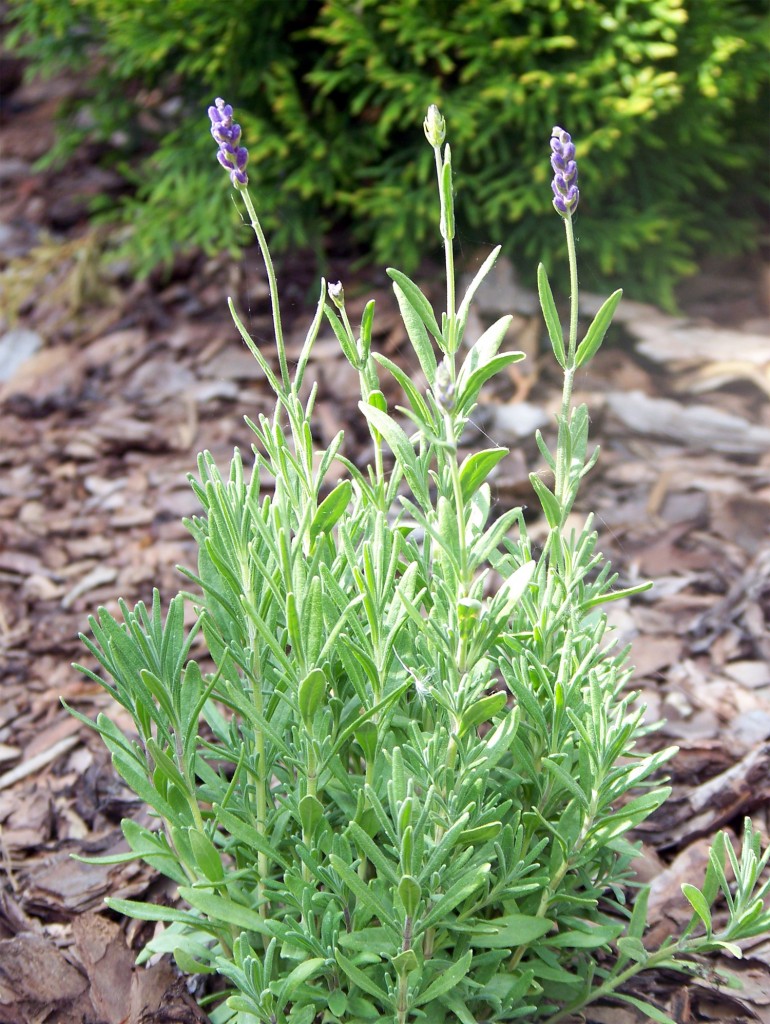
{"x":419,"y":406}
{"x":311,"y":811}
{"x":550,"y":461}
{"x":465,"y":305}
{"x":568,"y":781}
{"x":380,"y":941}
{"x":302,"y":972}
{"x":447,"y":980}
{"x":638,"y":922}
{"x":550,"y":315}
{"x":715,"y":870}
{"x":402,"y":448}
{"x":507,"y":932}
{"x":469,"y":392}
{"x":699,"y":904}
{"x":633,"y":948}
{"x":641,"y":1004}
{"x":363,"y":981}
{"x":405,"y":962}
{"x":454,"y":895}
{"x":477,"y":467}
{"x":366,"y":735}
{"x":447,"y":205}
{"x":189,"y":964}
{"x":311,"y":692}
{"x":206,"y":856}
{"x":458,"y":1007}
{"x":480,"y":834}
{"x":367,"y":320}
{"x":310,"y":338}
{"x":616,"y":595}
{"x":512,"y":590}
{"x":337,"y":1002}
{"x":595,"y":333}
{"x":364,"y":893}
{"x":548,"y":501}
{"x":629,"y":815}
{"x":595,"y":936}
{"x":302,"y":1014}
{"x":418,"y":302}
{"x":143,"y":788}
{"x":481,"y":711}
{"x":155,"y":912}
{"x":271,"y":377}
{"x":330,"y":509}
{"x":347,"y":343}
{"x":386,"y":868}
{"x":418,"y":336}
{"x":222,"y":911}
{"x":733,"y":947}
{"x":410,"y":893}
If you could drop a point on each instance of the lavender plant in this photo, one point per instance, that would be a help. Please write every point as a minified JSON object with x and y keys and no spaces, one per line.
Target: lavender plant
{"x":405,"y":789}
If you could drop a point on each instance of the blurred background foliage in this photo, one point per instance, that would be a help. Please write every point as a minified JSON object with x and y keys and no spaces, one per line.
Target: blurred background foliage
{"x":666,"y":99}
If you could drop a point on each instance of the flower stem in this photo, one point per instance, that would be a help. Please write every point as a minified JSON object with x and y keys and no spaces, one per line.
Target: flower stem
{"x":447,"y":231}
{"x":561,"y":482}
{"x":257,"y":228}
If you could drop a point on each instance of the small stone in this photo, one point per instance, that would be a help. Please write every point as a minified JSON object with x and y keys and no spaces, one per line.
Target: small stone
{"x":521,"y":419}
{"x":16,"y":347}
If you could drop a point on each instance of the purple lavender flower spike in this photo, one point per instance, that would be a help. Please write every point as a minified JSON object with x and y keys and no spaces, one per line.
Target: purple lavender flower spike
{"x":565,"y":173}
{"x":227,"y":136}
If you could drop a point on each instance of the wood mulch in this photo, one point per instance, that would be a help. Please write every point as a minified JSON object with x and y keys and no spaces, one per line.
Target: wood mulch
{"x":108,"y":389}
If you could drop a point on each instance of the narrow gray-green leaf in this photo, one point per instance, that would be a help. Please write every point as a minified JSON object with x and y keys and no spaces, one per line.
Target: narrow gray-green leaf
{"x":469,"y":393}
{"x":513,"y":588}
{"x":419,"y":406}
{"x":595,"y":333}
{"x":455,"y":895}
{"x":477,"y":467}
{"x":699,"y":904}
{"x":647,"y":1008}
{"x":156,"y":912}
{"x":365,"y":895}
{"x":401,"y":447}
{"x":206,"y":856}
{"x":481,"y":710}
{"x":465,"y":305}
{"x":331,"y":508}
{"x":633,"y":949}
{"x":507,"y":932}
{"x":362,"y":980}
{"x":347,"y":344}
{"x":418,"y":335}
{"x":220,"y":909}
{"x":547,"y":499}
{"x":485,"y":349}
{"x":447,"y":980}
{"x":271,"y":377}
{"x":418,"y":302}
{"x":310,"y":694}
{"x":550,"y":315}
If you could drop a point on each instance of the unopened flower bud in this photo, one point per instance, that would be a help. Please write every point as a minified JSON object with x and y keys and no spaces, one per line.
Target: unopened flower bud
{"x":435,"y":126}
{"x":337,"y":294}
{"x":565,"y":173}
{"x":443,"y":387}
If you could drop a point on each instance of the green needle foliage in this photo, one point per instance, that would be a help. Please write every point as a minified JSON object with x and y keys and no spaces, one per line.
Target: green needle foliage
{"x":401,"y":787}
{"x":669,"y":96}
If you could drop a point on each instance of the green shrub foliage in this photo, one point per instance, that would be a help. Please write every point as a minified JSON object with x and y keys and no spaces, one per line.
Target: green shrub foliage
{"x":666,"y":96}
